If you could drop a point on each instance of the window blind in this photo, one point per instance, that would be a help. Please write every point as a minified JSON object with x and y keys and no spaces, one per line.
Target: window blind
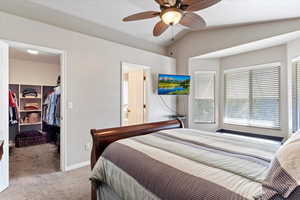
{"x":252,"y":97}
{"x":296,"y":96}
{"x":204,"y":97}
{"x":237,"y":102}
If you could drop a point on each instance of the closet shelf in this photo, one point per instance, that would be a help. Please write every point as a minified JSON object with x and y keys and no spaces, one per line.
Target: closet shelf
{"x":42,"y":93}
{"x":30,"y":97}
{"x":30,"y":124}
{"x":24,"y":111}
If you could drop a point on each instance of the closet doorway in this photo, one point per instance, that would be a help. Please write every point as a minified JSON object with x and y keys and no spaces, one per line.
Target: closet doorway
{"x":34,"y":141}
{"x":134,"y":94}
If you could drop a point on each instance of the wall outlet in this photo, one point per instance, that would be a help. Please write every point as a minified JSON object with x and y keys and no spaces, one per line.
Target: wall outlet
{"x":88,"y":146}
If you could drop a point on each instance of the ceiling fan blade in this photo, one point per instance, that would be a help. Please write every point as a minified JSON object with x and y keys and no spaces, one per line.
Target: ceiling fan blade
{"x":190,"y":2}
{"x":166,"y":2}
{"x":193,"y":21}
{"x":159,"y":28}
{"x":141,"y":16}
{"x":172,"y":2}
{"x":160,"y":2}
{"x":202,"y":4}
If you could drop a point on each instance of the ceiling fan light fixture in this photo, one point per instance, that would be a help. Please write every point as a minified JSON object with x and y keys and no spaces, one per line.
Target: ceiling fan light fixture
{"x":171,"y":16}
{"x":174,"y":12}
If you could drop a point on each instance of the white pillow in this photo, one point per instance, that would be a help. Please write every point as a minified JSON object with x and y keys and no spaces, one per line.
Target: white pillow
{"x":284,"y":174}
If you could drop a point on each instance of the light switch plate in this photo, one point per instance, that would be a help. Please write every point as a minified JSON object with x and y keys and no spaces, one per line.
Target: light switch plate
{"x":70,"y":105}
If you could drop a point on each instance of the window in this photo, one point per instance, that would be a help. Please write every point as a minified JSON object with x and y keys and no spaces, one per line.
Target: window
{"x":204,"y":97}
{"x":296,"y":96}
{"x":252,"y":97}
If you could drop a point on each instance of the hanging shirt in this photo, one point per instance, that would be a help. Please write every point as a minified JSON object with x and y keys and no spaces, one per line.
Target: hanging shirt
{"x":51,"y":115}
{"x":46,"y":108}
{"x":12,"y":102}
{"x":57,"y":92}
{"x":13,"y":108}
{"x":52,"y":110}
{"x":57,"y":111}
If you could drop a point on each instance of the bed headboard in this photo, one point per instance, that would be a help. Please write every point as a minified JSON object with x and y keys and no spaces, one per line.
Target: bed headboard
{"x":103,"y":137}
{"x":1,"y":148}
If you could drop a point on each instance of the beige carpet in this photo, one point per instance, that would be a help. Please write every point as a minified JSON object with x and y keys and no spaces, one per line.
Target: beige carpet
{"x":35,"y":176}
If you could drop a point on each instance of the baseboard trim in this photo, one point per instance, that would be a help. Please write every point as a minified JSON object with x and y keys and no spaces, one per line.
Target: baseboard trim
{"x":78,"y":165}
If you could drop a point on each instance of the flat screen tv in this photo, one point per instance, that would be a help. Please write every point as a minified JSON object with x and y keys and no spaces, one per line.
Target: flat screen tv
{"x":173,"y":84}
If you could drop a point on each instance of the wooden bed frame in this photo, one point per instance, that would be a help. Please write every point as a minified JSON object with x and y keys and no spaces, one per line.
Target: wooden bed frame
{"x":1,"y":149}
{"x":103,"y":137}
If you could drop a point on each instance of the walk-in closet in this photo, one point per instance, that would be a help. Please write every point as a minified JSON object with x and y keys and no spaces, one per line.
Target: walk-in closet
{"x":34,"y":112}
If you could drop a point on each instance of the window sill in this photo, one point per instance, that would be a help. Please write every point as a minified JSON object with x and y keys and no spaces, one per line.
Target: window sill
{"x":249,"y":126}
{"x":209,"y":123}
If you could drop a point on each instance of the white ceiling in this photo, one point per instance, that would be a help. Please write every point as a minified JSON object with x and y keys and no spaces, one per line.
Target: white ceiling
{"x":43,"y":56}
{"x":109,"y":14}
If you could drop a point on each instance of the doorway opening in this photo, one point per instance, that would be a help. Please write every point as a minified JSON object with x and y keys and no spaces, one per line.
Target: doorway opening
{"x":134,"y":94}
{"x":34,"y":115}
{"x":34,"y":112}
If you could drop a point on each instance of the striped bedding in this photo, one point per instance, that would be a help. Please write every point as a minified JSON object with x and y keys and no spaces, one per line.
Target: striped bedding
{"x":183,"y":164}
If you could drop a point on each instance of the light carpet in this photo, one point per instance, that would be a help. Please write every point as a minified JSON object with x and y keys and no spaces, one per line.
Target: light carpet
{"x":34,"y":175}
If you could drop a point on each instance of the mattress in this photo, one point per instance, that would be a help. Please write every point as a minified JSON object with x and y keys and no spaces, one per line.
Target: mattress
{"x":184,"y":164}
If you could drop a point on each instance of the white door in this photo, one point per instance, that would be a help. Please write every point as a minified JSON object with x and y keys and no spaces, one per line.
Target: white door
{"x":4,"y":163}
{"x":136,"y":97}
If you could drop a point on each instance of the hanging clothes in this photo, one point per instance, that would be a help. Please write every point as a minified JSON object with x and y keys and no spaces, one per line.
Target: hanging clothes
{"x":57,"y":106}
{"x":52,"y":108}
{"x":12,"y":99}
{"x":13,"y":109}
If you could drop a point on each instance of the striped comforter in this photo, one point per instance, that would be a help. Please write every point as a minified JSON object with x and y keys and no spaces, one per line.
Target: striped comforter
{"x":185,"y":164}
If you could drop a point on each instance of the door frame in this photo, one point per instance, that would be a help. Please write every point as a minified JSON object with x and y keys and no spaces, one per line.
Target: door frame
{"x":4,"y":127}
{"x":146,"y":94}
{"x":64,"y":83}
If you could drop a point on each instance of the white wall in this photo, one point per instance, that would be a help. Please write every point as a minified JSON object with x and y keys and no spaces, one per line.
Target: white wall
{"x":93,"y":73}
{"x":205,"y":65}
{"x":32,"y":72}
{"x":4,"y":163}
{"x":264,"y":56}
{"x":294,"y":49}
{"x":206,"y":41}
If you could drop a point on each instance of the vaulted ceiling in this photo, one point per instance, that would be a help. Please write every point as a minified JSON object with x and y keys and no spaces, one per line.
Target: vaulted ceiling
{"x":108,"y":15}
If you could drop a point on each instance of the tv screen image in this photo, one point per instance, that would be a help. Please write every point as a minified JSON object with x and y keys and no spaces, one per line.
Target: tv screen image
{"x":173,"y":84}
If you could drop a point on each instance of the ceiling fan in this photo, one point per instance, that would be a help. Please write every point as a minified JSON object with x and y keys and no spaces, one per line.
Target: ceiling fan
{"x":174,"y":12}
